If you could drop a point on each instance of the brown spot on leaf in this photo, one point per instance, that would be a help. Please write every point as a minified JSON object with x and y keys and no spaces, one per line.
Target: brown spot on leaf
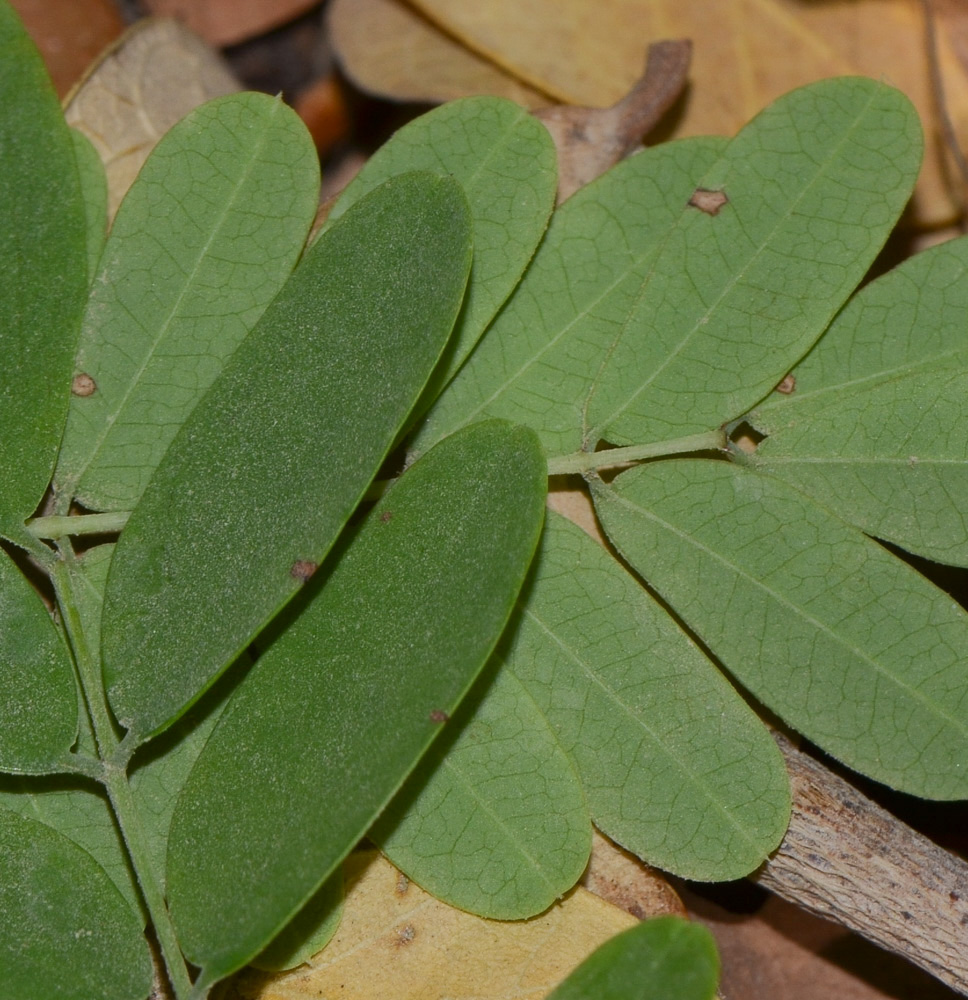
{"x":708,"y":201}
{"x":405,"y":935}
{"x":386,"y":516}
{"x":787,"y":385}
{"x":83,"y":385}
{"x":303,"y":569}
{"x":438,"y":715}
{"x":403,"y":884}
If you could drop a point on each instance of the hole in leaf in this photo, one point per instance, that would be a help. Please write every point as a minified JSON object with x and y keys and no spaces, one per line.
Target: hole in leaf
{"x":707,"y":201}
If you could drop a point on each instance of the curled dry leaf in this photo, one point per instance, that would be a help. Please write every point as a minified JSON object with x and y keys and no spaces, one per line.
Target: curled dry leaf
{"x":225,"y":22}
{"x":590,"y":140}
{"x":157,"y":73}
{"x":396,"y":941}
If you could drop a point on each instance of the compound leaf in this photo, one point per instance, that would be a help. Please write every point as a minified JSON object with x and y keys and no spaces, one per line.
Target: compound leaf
{"x":537,"y":362}
{"x":876,"y":426}
{"x":777,"y":234}
{"x":675,"y":766}
{"x":38,"y":697}
{"x":206,"y":236}
{"x":43,"y":273}
{"x":65,"y":930}
{"x":493,"y":820}
{"x":339,"y":708}
{"x":504,"y":159}
{"x":667,"y":958}
{"x":271,"y":463}
{"x":843,"y":641}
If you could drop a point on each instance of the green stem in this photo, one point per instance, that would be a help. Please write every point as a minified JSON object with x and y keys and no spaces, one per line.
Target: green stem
{"x":58,"y":526}
{"x":114,"y":755}
{"x":587,"y":461}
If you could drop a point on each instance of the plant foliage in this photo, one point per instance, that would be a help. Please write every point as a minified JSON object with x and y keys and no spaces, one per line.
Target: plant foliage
{"x":262,"y":666}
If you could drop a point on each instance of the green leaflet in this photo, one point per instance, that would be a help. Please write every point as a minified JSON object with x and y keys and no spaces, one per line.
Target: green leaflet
{"x":43,"y":274}
{"x":739,"y":292}
{"x":65,"y":930}
{"x":204,"y":239}
{"x":538,"y":361}
{"x":94,"y":197}
{"x":493,"y":819}
{"x":161,"y":769}
{"x":338,"y":710}
{"x":877,"y":425}
{"x":676,"y":767}
{"x":79,"y":810}
{"x":662,"y":959}
{"x":505,"y":161}
{"x":264,"y":474}
{"x":38,"y":699}
{"x":309,"y":931}
{"x":846,"y":643}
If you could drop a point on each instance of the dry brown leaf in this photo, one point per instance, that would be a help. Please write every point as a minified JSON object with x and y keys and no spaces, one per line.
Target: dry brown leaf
{"x":385,"y":48}
{"x":396,"y":942}
{"x":155,"y":75}
{"x":69,"y":34}
{"x":225,"y":22}
{"x":746,"y":53}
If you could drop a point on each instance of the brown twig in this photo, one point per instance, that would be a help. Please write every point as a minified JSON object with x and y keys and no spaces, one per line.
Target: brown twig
{"x":849,"y":860}
{"x":590,"y":140}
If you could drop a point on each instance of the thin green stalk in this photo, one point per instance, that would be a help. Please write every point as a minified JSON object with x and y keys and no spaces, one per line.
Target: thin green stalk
{"x":588,"y":461}
{"x":60,"y":526}
{"x":114,"y":755}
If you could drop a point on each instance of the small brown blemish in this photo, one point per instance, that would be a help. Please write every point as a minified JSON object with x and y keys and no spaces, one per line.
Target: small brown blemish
{"x":708,"y":201}
{"x":787,"y":385}
{"x":302,"y":569}
{"x":386,"y":516}
{"x":83,"y":385}
{"x":405,"y":935}
{"x":438,"y":715}
{"x":403,"y":884}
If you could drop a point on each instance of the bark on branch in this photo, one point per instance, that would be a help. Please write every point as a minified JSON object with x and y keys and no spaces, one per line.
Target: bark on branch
{"x":851,"y":861}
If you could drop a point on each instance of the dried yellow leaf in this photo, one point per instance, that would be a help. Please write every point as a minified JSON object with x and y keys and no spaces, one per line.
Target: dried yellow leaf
{"x":395,"y":942}
{"x":387,"y":48}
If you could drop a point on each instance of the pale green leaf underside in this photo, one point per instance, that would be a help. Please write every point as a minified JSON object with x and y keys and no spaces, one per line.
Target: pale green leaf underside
{"x":271,"y":463}
{"x":846,"y":643}
{"x":877,"y":425}
{"x":94,"y":193}
{"x":666,"y":958}
{"x":38,"y":699}
{"x":537,"y":362}
{"x":339,"y":708}
{"x":43,"y":273}
{"x":206,"y":236}
{"x":815,"y":183}
{"x":65,"y":930}
{"x":493,"y":820}
{"x":504,"y":159}
{"x":674,"y":764}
